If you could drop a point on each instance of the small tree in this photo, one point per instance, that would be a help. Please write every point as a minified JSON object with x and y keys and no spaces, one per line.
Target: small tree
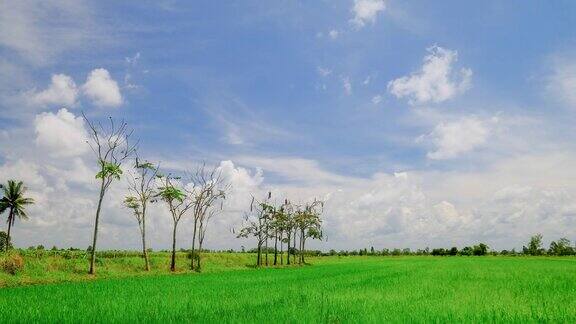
{"x":142,"y":190}
{"x":209,"y":189}
{"x":480,"y":249}
{"x":534,"y":246}
{"x":561,"y":247}
{"x":14,"y":202}
{"x":178,"y":203}
{"x":255,"y":225}
{"x":309,"y":224}
{"x":111,"y":147}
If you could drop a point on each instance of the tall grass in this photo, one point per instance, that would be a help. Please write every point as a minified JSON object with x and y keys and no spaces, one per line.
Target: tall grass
{"x":59,"y":266}
{"x":371,"y":289}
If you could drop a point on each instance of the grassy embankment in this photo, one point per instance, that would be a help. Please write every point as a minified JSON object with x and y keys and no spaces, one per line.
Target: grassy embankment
{"x":50,"y":267}
{"x":348,"y":289}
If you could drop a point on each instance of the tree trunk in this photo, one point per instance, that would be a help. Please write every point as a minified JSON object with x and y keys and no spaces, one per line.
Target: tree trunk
{"x":288,"y":254}
{"x":93,"y":256}
{"x":199,"y":252}
{"x":144,"y":249}
{"x":10,"y":221}
{"x":303,"y":248}
{"x":266,"y":249}
{"x":281,"y":250}
{"x":294,"y":246}
{"x":173,"y":262}
{"x":276,"y":248}
{"x":258,"y":256}
{"x":194,"y":242}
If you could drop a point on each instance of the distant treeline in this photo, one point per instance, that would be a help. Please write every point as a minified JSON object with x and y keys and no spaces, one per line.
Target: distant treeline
{"x":561,"y":247}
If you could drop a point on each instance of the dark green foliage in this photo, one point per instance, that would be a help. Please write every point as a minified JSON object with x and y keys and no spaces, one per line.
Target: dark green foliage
{"x":534,"y":246}
{"x":480,"y":249}
{"x":13,"y":203}
{"x":561,"y":247}
{"x":466,"y":251}
{"x":3,"y":238}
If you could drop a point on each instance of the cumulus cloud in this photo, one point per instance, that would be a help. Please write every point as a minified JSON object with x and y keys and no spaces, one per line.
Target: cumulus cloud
{"x":454,"y":138}
{"x":366,"y":11}
{"x":61,"y":134}
{"x":436,"y":81}
{"x":62,"y":91}
{"x":101,"y":89}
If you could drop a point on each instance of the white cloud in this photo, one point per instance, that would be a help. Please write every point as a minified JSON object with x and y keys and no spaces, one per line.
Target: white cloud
{"x":62,"y":91}
{"x":294,"y":169}
{"x":334,"y":34}
{"x":436,"y":81}
{"x":61,"y":134}
{"x":30,"y":30}
{"x":454,"y":138}
{"x":347,"y":85}
{"x":562,"y":81}
{"x":323,"y":71}
{"x":366,"y":11}
{"x":22,"y":170}
{"x":367,"y":80}
{"x":102,"y":89}
{"x":377,"y":99}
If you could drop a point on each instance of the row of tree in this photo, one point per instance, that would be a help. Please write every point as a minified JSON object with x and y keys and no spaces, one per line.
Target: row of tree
{"x":201,"y":196}
{"x":559,"y":247}
{"x":283,"y":224}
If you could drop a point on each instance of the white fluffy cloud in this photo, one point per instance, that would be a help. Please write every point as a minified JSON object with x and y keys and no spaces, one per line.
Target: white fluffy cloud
{"x":454,"y":138}
{"x":102,"y":89}
{"x":61,"y":134}
{"x":62,"y":91}
{"x":366,"y":11}
{"x":436,"y":81}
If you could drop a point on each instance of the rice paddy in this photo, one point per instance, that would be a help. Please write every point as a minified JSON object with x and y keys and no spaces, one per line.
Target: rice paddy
{"x":332,"y":289}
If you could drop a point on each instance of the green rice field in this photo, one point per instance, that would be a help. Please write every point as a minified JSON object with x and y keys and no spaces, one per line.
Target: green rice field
{"x":330,"y":290}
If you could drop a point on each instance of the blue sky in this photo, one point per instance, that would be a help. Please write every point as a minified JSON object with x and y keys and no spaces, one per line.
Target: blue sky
{"x":421,"y":123}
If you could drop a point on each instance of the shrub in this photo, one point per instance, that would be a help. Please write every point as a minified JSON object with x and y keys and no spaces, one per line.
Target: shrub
{"x":12,"y":263}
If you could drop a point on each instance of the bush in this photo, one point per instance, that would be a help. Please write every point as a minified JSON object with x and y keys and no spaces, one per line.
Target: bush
{"x":12,"y":263}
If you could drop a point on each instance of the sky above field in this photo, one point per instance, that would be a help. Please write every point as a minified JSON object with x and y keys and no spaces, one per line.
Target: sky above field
{"x":419,"y":123}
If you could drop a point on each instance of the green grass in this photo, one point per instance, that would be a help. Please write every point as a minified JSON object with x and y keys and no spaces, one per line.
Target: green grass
{"x":354,"y":289}
{"x":41,"y":268}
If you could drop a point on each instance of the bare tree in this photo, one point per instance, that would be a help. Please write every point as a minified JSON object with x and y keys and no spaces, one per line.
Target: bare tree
{"x":255,"y":225}
{"x":111,"y":146}
{"x":280,"y":221}
{"x":209,"y":188}
{"x":141,"y":187}
{"x":309,"y":224}
{"x":178,"y":203}
{"x":202,"y":227}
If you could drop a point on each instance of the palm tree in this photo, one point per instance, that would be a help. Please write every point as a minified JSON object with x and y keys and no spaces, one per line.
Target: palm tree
{"x":15,"y":202}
